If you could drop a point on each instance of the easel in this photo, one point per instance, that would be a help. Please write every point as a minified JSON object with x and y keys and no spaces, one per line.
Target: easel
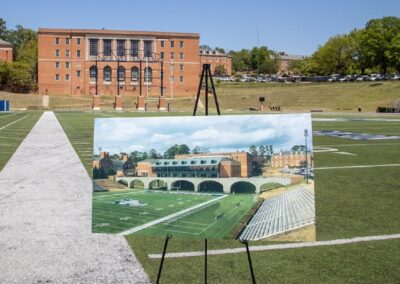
{"x":208,"y":76}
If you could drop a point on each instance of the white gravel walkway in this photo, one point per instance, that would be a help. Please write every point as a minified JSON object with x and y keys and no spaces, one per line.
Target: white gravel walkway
{"x":45,"y":218}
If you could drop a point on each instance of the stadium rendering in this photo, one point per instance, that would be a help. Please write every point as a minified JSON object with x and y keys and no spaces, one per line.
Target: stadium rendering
{"x":209,"y":194}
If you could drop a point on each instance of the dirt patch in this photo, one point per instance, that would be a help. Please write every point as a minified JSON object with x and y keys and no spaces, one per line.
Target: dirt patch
{"x":111,"y":185}
{"x":306,"y":234}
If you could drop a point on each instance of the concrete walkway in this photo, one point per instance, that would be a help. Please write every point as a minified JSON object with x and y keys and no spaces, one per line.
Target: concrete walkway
{"x":45,"y":218}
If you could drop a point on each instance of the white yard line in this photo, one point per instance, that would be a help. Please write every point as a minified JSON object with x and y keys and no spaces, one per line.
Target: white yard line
{"x":15,"y":121}
{"x":357,"y":167}
{"x":279,"y":246}
{"x":163,"y":219}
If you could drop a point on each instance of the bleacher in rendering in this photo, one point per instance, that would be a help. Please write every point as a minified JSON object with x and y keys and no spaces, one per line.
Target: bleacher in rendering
{"x":288,"y":211}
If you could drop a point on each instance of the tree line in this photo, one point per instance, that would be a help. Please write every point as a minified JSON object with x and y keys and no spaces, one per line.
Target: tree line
{"x":372,"y":49}
{"x":20,"y":75}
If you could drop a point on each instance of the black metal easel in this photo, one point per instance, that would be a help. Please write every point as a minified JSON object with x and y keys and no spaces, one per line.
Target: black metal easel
{"x":206,"y":72}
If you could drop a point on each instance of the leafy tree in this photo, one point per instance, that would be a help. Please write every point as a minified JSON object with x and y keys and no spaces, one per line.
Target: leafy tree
{"x":377,"y":40}
{"x":393,"y":53}
{"x":4,"y":73}
{"x":3,"y":28}
{"x":220,"y":70}
{"x":262,"y":151}
{"x":20,"y":78}
{"x":19,"y":37}
{"x":153,"y":154}
{"x":110,"y":172}
{"x":176,"y":150}
{"x":253,"y":150}
{"x":299,"y":148}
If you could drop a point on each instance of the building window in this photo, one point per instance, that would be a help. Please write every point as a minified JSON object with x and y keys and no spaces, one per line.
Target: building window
{"x":57,"y":53}
{"x":57,"y":77}
{"x":181,"y":44}
{"x":93,"y":73}
{"x":172,"y":43}
{"x":172,"y":66}
{"x":78,"y":41}
{"x":181,"y":56}
{"x":181,"y":79}
{"x":107,"y":47}
{"x":57,"y":40}
{"x":78,"y":53}
{"x":162,"y":43}
{"x":120,"y":47}
{"x":107,"y":73}
{"x":121,"y":73}
{"x":67,"y":53}
{"x":78,"y":73}
{"x":67,"y":40}
{"x":162,"y":55}
{"x":67,"y":65}
{"x":134,"y":74}
{"x":93,"y":47}
{"x":66,"y":77}
{"x":134,"y":48}
{"x":148,"y":48}
{"x":181,"y":67}
{"x":148,"y":74}
{"x":58,"y":65}
{"x":172,"y":55}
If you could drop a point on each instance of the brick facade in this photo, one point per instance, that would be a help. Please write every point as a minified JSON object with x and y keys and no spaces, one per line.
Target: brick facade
{"x":216,"y":58}
{"x":65,"y":62}
{"x":6,"y":51}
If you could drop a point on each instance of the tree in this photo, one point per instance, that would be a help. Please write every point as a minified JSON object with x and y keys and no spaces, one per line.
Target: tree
{"x":176,"y":150}
{"x":3,"y":28}
{"x":220,"y":70}
{"x":377,"y":39}
{"x":262,"y":151}
{"x":299,"y":148}
{"x":393,"y":53}
{"x":20,"y":78}
{"x":153,"y":154}
{"x":4,"y":73}
{"x":253,"y":151}
{"x":19,"y":37}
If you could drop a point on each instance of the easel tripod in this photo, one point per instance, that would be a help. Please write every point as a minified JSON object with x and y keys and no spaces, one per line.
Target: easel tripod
{"x":205,"y":76}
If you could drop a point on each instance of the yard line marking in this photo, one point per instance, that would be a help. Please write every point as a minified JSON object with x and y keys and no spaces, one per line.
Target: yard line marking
{"x":278,"y":246}
{"x":111,"y":195}
{"x":15,"y":121}
{"x":356,"y":167}
{"x":163,"y":219}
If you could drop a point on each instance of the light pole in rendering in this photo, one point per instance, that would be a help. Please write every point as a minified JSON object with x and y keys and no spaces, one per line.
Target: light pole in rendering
{"x":306,"y":162}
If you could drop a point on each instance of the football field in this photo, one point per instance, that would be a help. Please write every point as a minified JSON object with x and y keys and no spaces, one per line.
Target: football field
{"x":113,"y":214}
{"x":357,"y":194}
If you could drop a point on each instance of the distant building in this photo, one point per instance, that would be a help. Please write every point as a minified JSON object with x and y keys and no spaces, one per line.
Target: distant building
{"x":123,"y":165}
{"x":6,"y":51}
{"x":285,"y":61}
{"x":215,"y":58}
{"x":244,"y":158}
{"x":211,"y":167}
{"x":290,"y":159}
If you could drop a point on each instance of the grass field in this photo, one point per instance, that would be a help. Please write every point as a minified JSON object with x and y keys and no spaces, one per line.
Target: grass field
{"x":13,"y":129}
{"x":350,"y":202}
{"x":329,"y":97}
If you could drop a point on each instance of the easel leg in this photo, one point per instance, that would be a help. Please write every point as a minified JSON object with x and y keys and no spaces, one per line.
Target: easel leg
{"x":246,"y":243}
{"x":205,"y":261}
{"x":163,"y":257}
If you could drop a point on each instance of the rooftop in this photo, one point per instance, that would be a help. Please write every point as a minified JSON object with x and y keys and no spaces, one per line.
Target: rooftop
{"x":5,"y":43}
{"x":197,"y":161}
{"x":115,"y":32}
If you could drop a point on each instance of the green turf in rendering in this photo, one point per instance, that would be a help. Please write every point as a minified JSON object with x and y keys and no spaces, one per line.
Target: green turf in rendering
{"x":109,"y":217}
{"x":202,"y":223}
{"x":14,"y":127}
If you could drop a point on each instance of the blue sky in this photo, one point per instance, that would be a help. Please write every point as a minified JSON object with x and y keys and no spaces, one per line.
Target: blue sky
{"x":218,"y":134}
{"x":297,"y":27}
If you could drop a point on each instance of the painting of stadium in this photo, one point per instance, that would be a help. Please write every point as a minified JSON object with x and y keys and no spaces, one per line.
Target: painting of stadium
{"x":247,"y":177}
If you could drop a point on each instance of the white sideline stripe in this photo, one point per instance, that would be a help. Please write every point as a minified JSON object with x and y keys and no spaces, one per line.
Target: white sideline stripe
{"x":355,"y":167}
{"x":149,"y":224}
{"x":279,"y":246}
{"x":11,"y":123}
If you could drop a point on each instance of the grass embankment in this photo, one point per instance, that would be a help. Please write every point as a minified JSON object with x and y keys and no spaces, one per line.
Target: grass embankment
{"x":328,"y":97}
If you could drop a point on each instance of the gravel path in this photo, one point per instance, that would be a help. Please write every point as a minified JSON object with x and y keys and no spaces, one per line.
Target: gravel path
{"x":45,"y":218}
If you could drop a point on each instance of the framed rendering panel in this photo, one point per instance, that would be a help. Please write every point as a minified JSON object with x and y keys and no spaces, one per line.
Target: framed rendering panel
{"x":246,"y":177}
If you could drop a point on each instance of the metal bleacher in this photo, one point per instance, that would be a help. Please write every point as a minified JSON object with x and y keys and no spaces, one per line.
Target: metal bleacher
{"x":286,"y":212}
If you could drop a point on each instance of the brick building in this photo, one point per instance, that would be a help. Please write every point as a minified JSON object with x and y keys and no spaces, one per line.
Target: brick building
{"x":212,"y":167}
{"x":285,"y":61}
{"x":6,"y":51}
{"x":83,"y":61}
{"x":216,"y":58}
{"x":244,"y":158}
{"x":290,"y":159}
